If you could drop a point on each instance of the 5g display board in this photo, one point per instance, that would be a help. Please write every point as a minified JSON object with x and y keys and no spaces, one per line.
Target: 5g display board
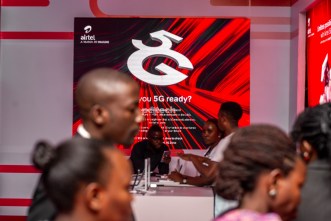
{"x":186,"y":68}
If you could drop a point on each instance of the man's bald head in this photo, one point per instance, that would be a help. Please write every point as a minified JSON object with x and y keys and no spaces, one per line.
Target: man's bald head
{"x":98,"y":86}
{"x":108,"y":102}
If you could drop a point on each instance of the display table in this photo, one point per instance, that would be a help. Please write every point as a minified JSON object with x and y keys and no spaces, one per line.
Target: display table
{"x":179,"y":203}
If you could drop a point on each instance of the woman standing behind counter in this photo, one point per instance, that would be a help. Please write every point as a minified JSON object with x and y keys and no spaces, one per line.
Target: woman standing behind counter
{"x":205,"y":165}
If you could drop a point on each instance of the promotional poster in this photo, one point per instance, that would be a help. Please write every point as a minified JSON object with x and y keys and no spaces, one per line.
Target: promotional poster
{"x":186,"y":68}
{"x":318,"y":53}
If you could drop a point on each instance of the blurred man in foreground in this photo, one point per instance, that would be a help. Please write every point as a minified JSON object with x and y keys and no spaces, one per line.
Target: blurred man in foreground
{"x":108,"y":104}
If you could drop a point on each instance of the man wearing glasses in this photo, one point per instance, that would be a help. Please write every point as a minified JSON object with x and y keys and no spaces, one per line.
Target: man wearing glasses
{"x":153,"y":148}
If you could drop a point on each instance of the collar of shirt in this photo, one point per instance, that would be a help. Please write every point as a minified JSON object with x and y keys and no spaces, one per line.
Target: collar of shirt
{"x":83,"y":132}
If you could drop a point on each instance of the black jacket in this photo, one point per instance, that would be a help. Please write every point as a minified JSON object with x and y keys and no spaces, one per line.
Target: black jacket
{"x":143,"y":150}
{"x":315,"y":202}
{"x":42,"y":208}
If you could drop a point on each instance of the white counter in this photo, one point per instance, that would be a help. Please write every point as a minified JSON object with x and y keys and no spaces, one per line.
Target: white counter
{"x":175,"y":204}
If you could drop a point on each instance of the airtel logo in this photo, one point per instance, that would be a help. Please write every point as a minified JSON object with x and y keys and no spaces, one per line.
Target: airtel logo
{"x":88,"y":29}
{"x":171,"y":75}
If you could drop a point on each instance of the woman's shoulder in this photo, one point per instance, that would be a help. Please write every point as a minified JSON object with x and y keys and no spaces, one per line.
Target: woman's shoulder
{"x":247,"y":215}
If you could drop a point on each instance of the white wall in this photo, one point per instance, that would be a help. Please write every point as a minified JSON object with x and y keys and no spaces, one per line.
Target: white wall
{"x":36,"y":75}
{"x":298,"y":58}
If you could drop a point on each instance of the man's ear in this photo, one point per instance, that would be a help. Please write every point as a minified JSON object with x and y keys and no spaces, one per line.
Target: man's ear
{"x":98,"y":114}
{"x":94,"y":196}
{"x":306,"y":151}
{"x":224,"y":118}
{"x":306,"y":146}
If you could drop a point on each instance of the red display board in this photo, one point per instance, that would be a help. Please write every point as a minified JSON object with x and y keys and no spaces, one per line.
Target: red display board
{"x":186,"y":68}
{"x":318,"y":53}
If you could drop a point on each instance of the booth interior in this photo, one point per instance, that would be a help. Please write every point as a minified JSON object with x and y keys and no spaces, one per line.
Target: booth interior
{"x":187,"y":58}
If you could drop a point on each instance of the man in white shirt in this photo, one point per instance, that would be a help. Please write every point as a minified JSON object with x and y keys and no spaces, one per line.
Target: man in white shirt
{"x":228,"y":117}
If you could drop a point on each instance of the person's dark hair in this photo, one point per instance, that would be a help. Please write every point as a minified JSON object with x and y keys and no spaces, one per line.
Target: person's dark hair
{"x":314,"y":126}
{"x":232,"y":110}
{"x":67,"y":166}
{"x":213,"y":121}
{"x":154,"y":128}
{"x":253,"y":150}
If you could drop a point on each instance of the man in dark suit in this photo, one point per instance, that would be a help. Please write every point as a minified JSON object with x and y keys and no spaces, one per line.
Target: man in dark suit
{"x":108,"y":104}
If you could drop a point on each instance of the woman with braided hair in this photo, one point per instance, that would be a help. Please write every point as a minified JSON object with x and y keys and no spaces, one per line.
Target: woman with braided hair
{"x":86,"y":180}
{"x":312,"y":133}
{"x":262,"y":171}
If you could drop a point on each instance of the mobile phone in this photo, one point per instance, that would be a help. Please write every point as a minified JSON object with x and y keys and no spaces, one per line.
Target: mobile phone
{"x":166,"y":154}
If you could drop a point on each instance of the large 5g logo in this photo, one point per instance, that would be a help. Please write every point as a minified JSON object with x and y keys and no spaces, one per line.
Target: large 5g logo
{"x":172,"y":76}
